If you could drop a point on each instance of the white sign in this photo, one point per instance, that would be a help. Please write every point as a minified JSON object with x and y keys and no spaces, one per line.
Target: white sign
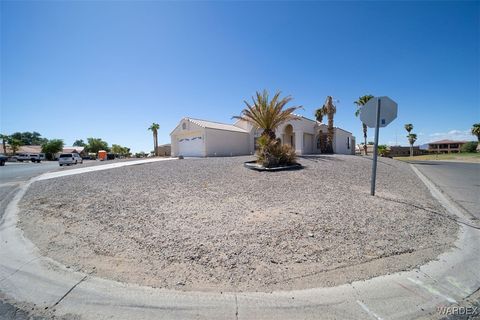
{"x":388,"y":112}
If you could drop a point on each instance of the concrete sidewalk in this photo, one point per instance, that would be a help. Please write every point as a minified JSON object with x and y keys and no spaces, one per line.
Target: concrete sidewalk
{"x":25,"y":275}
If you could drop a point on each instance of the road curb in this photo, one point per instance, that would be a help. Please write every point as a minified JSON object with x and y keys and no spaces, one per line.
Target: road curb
{"x":26,"y":275}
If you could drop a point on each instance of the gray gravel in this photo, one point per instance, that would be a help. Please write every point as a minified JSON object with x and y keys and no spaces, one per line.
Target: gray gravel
{"x":211,"y":224}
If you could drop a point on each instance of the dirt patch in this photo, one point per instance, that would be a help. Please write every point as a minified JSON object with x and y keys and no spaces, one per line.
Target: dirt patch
{"x":211,"y":224}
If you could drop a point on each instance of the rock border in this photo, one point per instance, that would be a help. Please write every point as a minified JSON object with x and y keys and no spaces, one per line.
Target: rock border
{"x":252,"y":165}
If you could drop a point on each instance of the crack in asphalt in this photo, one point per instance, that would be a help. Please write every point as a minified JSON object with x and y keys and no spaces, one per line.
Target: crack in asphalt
{"x":18,"y":269}
{"x":236,"y":307}
{"x":70,"y":290}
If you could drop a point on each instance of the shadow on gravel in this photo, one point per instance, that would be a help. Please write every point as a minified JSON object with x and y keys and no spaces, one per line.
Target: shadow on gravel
{"x":423,"y":163}
{"x":429,"y":210}
{"x":319,"y":158}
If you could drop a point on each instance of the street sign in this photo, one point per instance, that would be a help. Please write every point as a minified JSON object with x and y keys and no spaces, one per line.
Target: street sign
{"x":388,"y":113}
{"x":377,"y":112}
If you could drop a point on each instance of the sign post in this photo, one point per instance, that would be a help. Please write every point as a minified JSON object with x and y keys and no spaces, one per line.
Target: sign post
{"x":375,"y":149}
{"x":377,"y":112}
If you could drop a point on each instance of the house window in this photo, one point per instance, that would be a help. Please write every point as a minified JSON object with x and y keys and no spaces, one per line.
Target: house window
{"x":184,"y":126}
{"x":319,"y":143}
{"x":348,"y":142}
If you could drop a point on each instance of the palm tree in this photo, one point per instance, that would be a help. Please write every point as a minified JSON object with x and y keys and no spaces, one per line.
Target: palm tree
{"x":360,"y":103}
{"x":319,"y":113}
{"x":476,"y":132}
{"x":14,"y":145}
{"x":154,"y":127}
{"x":330,"y":111}
{"x":409,"y":127}
{"x":4,"y":139}
{"x":268,"y":114}
{"x":412,"y":137}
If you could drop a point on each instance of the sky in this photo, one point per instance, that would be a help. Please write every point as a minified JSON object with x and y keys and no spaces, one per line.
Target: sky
{"x":108,"y":69}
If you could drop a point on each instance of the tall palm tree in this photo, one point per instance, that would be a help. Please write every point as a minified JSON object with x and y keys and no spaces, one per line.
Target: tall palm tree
{"x":4,"y":139}
{"x":409,"y":127}
{"x":268,"y":114}
{"x":319,"y":114}
{"x":476,"y":132}
{"x":154,"y":128}
{"x":330,"y":111}
{"x":412,"y":137}
{"x":360,"y":103}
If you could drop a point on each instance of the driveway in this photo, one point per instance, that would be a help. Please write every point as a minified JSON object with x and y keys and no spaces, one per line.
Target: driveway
{"x":460,"y":181}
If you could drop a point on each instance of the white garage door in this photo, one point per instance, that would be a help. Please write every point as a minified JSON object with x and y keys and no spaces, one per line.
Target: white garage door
{"x":307,"y":143}
{"x":193,"y":146}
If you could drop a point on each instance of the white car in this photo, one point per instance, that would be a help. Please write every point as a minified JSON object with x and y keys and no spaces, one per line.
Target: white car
{"x":34,"y":157}
{"x":69,"y":158}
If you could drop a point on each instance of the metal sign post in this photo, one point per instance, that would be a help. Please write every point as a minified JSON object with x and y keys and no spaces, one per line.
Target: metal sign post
{"x":375,"y":150}
{"x":377,"y":112}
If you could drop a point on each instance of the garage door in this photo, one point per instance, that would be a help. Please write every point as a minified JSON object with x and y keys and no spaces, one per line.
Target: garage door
{"x":307,"y":143}
{"x":193,"y":146}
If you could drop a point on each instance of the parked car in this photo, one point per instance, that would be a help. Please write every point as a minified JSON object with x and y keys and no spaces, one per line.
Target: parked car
{"x":34,"y":157}
{"x":69,"y":158}
{"x":3,"y":159}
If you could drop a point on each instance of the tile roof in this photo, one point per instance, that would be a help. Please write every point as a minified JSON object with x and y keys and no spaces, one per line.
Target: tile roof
{"x":216,"y":125}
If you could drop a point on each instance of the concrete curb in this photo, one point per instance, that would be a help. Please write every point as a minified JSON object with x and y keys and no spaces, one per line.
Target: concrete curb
{"x":26,"y":275}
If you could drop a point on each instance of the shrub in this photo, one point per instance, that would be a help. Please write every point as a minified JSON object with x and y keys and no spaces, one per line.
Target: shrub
{"x":382,"y":150}
{"x":272,"y":153}
{"x":470,"y":146}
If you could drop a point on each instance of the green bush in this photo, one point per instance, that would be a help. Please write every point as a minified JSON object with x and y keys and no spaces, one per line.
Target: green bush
{"x":52,"y":147}
{"x":470,"y":146}
{"x":272,"y":153}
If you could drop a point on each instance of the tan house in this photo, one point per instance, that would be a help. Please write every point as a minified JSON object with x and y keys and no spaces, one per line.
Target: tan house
{"x":201,"y":138}
{"x":164,"y":150}
{"x":445,"y":146}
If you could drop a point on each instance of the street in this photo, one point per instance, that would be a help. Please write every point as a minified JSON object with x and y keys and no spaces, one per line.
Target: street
{"x":22,"y":171}
{"x":459,"y":180}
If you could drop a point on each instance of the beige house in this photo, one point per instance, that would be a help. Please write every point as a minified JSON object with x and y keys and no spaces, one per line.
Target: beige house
{"x":201,"y":138}
{"x":445,"y":146}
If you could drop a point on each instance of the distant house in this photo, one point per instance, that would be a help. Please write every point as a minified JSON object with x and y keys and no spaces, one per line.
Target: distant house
{"x":164,"y":150}
{"x":79,"y":150}
{"x":445,"y":146}
{"x":399,"y":151}
{"x":23,"y":149}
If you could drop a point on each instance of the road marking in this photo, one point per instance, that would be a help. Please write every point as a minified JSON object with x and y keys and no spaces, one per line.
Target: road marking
{"x":364,"y":307}
{"x":432,"y":290}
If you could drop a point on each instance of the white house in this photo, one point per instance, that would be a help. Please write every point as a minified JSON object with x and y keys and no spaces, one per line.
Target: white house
{"x":201,"y":138}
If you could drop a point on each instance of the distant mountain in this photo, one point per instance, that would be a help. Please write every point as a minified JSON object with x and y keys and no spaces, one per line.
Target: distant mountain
{"x":424,"y":146}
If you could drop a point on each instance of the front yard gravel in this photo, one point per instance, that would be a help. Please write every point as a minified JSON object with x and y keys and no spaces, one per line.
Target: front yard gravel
{"x":212,"y":224}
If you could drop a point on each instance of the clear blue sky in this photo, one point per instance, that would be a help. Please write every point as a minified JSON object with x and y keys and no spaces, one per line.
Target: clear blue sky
{"x":74,"y":70}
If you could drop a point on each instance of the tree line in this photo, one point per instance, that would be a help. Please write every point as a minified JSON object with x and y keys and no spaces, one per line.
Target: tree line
{"x":52,"y":146}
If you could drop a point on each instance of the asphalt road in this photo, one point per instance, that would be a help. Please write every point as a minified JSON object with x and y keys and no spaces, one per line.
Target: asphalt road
{"x":459,"y":180}
{"x":22,"y":171}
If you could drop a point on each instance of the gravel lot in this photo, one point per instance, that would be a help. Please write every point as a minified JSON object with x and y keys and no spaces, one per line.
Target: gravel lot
{"x":211,"y":224}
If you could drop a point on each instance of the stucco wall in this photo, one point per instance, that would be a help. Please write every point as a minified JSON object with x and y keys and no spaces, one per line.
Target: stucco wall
{"x":226,"y":143}
{"x":340,"y":142}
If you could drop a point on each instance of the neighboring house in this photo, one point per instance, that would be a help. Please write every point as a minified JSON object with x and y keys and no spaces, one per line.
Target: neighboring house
{"x":399,"y":151}
{"x":445,"y":146}
{"x":164,"y":150}
{"x":23,"y":149}
{"x":79,"y":150}
{"x":201,"y":138}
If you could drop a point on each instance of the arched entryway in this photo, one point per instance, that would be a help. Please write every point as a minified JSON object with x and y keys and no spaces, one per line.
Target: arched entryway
{"x":288,"y":136}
